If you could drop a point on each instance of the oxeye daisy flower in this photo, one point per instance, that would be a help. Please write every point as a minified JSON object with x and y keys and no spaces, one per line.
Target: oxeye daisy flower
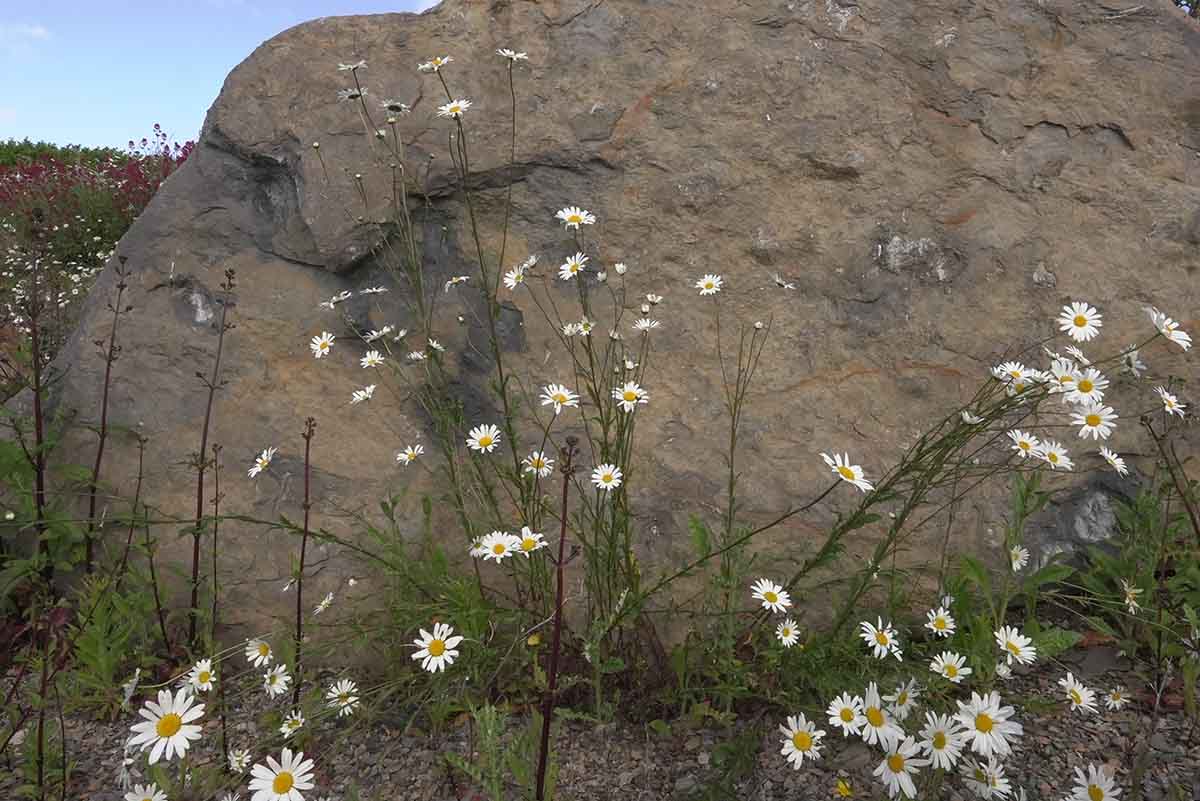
{"x":417,"y":356}
{"x":1012,"y":372}
{"x":878,"y":726}
{"x":1018,"y":557}
{"x":558,"y":396}
{"x":477,"y":549}
{"x":1131,"y":360}
{"x":570,"y":329}
{"x":939,"y":621}
{"x":201,"y":677}
{"x":145,"y":792}
{"x":262,"y":462}
{"x":1003,"y":671}
{"x":362,"y":395}
{"x":645,"y":325}
{"x":498,"y":545}
{"x":1079,"y":696}
{"x":1168,"y":328}
{"x":373,"y":358}
{"x":410,"y":454}
{"x":987,"y":724}
{"x":343,"y":696}
{"x":986,"y":779}
{"x":653,"y":299}
{"x":904,"y":699}
{"x":1055,"y":455}
{"x":585,"y":326}
{"x":276,"y":681}
{"x":951,"y":666}
{"x":353,"y":66}
{"x":1095,"y":785}
{"x":1115,"y":698}
{"x":373,"y":335}
{"x":1080,"y":321}
{"x":606,"y":477}
{"x":239,"y":760}
{"x":787,"y":633}
{"x":629,"y":395}
{"x":1171,"y":404}
{"x":846,"y":711}
{"x":514,"y":277}
{"x":573,"y":217}
{"x":801,"y":738}
{"x":483,"y":438}
{"x":1132,"y":592}
{"x":1114,"y":461}
{"x":941,"y":740}
{"x":1096,"y":421}
{"x":880,"y":639}
{"x":393,"y":107}
{"x":572,"y":266}
{"x":512,"y":55}
{"x":325,"y":603}
{"x":282,"y":780}
{"x":773,"y":596}
{"x":435,"y":64}
{"x":538,"y":463}
{"x":437,"y":650}
{"x":167,"y":729}
{"x":970,"y":418}
{"x":454,"y":108}
{"x":292,"y":724}
{"x":530,"y":541}
{"x":352,"y":94}
{"x":258,"y":652}
{"x":320,"y":345}
{"x":852,"y":473}
{"x":454,"y":281}
{"x":1078,"y":355}
{"x":1061,"y":375}
{"x":709,"y":284}
{"x":1090,"y":384}
{"x":1024,"y":444}
{"x":898,"y":767}
{"x":1015,"y":645}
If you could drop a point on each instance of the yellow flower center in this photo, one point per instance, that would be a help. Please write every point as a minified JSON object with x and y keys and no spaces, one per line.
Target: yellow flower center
{"x":1052,"y":457}
{"x":343,"y":698}
{"x":847,"y":714}
{"x":1024,"y":445}
{"x":1080,"y":321}
{"x":283,"y":783}
{"x":498,"y":548}
{"x":485,"y":441}
{"x":787,"y":632}
{"x":574,"y":218}
{"x":436,"y":648}
{"x":629,"y":395}
{"x":881,"y":638}
{"x":264,"y":649}
{"x":1095,"y":793}
{"x":939,"y":623}
{"x":204,"y":677}
{"x":1092,"y":420}
{"x":802,"y":740}
{"x":846,"y":473}
{"x":770,"y":597}
{"x":951,"y":671}
{"x":528,"y":544}
{"x":1086,"y":385}
{"x":560,"y":398}
{"x":983,"y":723}
{"x":875,"y":716}
{"x":168,"y":725}
{"x":607,"y":478}
{"x":902,"y":699}
{"x":939,"y":740}
{"x":895,"y":763}
{"x":1075,"y":696}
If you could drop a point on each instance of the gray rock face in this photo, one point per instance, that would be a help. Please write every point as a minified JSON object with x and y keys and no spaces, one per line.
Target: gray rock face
{"x":905,"y":167}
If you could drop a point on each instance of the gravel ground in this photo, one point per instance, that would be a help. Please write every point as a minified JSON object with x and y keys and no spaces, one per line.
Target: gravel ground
{"x":625,"y":762}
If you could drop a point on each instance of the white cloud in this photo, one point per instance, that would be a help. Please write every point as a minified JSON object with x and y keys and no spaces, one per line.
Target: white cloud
{"x":17,"y":38}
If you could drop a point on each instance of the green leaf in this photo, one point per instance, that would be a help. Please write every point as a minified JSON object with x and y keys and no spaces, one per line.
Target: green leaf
{"x":1054,"y":641}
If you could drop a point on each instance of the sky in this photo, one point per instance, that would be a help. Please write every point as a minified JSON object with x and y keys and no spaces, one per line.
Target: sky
{"x":102,"y":72}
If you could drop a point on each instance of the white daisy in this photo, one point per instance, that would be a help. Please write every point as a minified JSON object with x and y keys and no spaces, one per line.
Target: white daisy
{"x":1114,"y":461}
{"x":514,"y":277}
{"x":1024,"y":444}
{"x":573,"y":217}
{"x":394,"y":107}
{"x":292,"y":724}
{"x":325,"y":603}
{"x":437,"y":650}
{"x":320,"y":345}
{"x":709,"y":284}
{"x":1018,"y":557}
{"x":201,"y":676}
{"x":145,"y":792}
{"x":653,"y":299}
{"x":987,"y":724}
{"x":1012,"y":372}
{"x":512,"y":55}
{"x":1095,"y":785}
{"x":538,"y":463}
{"x":852,"y":473}
{"x":455,"y":281}
{"x":951,"y":666}
{"x":262,"y":461}
{"x":1003,"y":671}
{"x":787,"y":633}
{"x":529,"y":541}
{"x":410,"y":454}
{"x":373,"y":358}
{"x":620,"y":268}
{"x":1171,"y":404}
{"x":1080,"y":321}
{"x":645,"y":325}
{"x":970,"y":418}
{"x":584,"y":327}
{"x":1079,"y":696}
{"x":1116,"y":698}
{"x":375,"y":334}
{"x":904,"y":699}
{"x":1078,"y":355}
{"x":1089,"y":385}
{"x":435,"y":64}
{"x":986,"y":779}
{"x":417,"y":356}
{"x":343,"y":696}
{"x":629,"y":395}
{"x":880,"y":639}
{"x":483,"y":438}
{"x":1168,"y":328}
{"x":276,"y":681}
{"x":1132,"y":591}
{"x":1062,"y":375}
{"x":498,"y":545}
{"x":258,"y":652}
{"x":282,"y":780}
{"x":558,"y":396}
{"x":878,"y":726}
{"x":898,"y":767}
{"x":167,"y":729}
{"x":572,"y":266}
{"x":362,"y":395}
{"x":454,"y":108}
{"x":1055,"y":455}
{"x":846,"y":711}
{"x":606,"y":477}
{"x":239,"y":760}
{"x":773,"y":596}
{"x":1097,"y":421}
{"x":352,"y":93}
{"x":941,"y":740}
{"x":1015,"y":645}
{"x":357,"y":65}
{"x":939,"y":621}
{"x":801,"y":738}
{"x":373,"y":290}
{"x":1131,"y":360}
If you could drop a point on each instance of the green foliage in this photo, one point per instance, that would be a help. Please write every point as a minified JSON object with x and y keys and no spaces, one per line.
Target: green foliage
{"x":15,"y":152}
{"x":505,"y":761}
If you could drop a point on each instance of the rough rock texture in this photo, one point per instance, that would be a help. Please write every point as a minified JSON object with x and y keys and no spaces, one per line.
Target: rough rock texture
{"x":932,"y":179}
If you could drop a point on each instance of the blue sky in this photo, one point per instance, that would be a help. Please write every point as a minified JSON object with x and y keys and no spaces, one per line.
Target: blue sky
{"x":92,"y":72}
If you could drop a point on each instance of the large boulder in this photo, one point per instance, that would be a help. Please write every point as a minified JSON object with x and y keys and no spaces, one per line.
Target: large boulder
{"x":928,"y":181}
